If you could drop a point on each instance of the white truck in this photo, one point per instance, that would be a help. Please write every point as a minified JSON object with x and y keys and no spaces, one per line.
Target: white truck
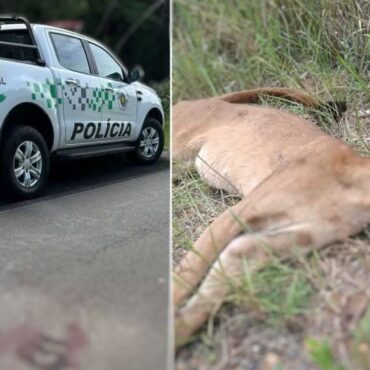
{"x":64,"y":94}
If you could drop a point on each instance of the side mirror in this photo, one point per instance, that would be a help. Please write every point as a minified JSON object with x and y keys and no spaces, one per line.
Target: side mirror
{"x":115,"y":76}
{"x":136,"y":74}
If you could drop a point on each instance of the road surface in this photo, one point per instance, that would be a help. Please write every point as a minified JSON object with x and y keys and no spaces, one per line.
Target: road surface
{"x":85,"y":269}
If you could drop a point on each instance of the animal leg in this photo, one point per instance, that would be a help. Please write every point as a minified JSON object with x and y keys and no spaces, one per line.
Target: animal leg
{"x":256,"y":248}
{"x":195,"y":264}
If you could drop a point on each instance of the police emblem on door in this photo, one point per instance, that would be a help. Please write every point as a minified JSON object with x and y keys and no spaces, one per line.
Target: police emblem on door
{"x":122,"y":98}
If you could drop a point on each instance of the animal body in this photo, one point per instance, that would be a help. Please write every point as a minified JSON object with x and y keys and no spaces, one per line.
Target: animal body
{"x":302,"y":189}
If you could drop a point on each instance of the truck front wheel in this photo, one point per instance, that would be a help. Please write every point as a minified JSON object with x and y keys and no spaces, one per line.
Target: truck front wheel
{"x":25,"y":162}
{"x":150,"y":144}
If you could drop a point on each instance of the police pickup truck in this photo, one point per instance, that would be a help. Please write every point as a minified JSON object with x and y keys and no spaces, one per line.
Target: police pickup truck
{"x":64,"y":94}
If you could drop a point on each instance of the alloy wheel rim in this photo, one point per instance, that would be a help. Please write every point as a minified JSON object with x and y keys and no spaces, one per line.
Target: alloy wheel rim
{"x":27,"y":164}
{"x":149,"y":142}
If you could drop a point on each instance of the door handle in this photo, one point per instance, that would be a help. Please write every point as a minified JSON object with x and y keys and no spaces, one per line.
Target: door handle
{"x":72,"y":82}
{"x":109,"y":89}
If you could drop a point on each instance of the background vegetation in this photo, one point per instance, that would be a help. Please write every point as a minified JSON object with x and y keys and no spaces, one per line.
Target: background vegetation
{"x":297,"y":315}
{"x":321,"y":46}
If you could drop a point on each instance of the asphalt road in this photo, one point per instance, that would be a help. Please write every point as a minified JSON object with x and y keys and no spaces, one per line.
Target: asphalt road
{"x":85,"y":269}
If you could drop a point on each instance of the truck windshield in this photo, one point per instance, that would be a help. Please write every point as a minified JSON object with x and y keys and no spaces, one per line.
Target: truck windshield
{"x":17,"y":36}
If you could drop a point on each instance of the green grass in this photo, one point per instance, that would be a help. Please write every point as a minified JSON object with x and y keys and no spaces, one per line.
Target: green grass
{"x":279,"y":292}
{"x":195,"y":204}
{"x":322,"y":355}
{"x":222,"y":46}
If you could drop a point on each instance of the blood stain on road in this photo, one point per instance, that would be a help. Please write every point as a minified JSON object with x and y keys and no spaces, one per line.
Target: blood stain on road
{"x":43,"y":351}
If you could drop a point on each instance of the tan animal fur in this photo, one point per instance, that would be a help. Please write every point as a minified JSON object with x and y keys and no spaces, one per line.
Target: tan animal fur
{"x":302,"y":189}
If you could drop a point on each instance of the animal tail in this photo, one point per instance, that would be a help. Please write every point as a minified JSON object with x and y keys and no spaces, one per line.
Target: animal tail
{"x":253,"y":96}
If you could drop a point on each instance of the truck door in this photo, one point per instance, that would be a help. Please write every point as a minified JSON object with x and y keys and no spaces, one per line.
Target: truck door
{"x":81,"y":92}
{"x":119,"y":111}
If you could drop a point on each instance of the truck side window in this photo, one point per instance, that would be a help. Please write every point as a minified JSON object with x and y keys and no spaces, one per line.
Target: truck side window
{"x":70,"y":53}
{"x":107,"y":66}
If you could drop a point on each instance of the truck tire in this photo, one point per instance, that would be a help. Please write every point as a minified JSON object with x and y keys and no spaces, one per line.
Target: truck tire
{"x":25,"y":162}
{"x":149,"y":147}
